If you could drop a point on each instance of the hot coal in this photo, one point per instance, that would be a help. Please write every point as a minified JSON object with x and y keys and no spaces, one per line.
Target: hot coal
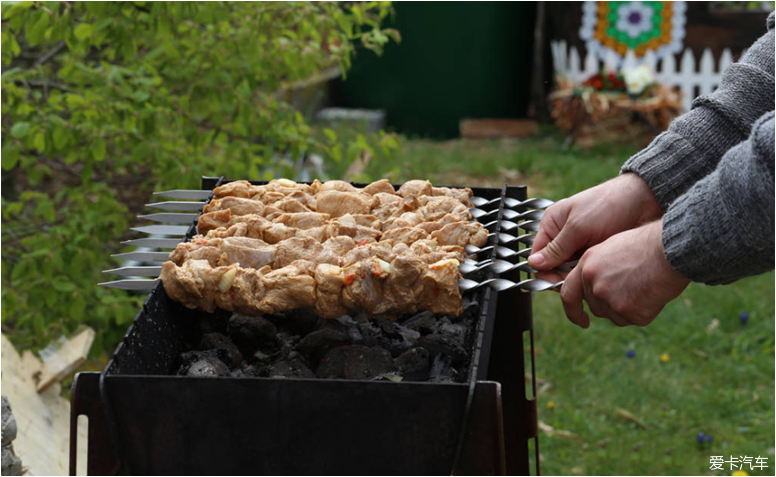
{"x":414,"y":364}
{"x":355,"y":362}
{"x":298,"y":344}
{"x":316,"y":344}
{"x":208,"y":363}
{"x":252,"y":330}
{"x":218,"y":341}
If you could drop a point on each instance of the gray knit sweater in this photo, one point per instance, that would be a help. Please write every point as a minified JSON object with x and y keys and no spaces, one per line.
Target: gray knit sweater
{"x":713,"y":173}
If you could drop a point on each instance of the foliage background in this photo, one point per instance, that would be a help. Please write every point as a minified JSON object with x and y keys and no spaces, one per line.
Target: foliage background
{"x":104,"y":101}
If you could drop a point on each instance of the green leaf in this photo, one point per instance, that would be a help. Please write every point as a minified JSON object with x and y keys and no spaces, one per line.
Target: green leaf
{"x":98,"y":149}
{"x":60,"y":137}
{"x":10,"y":156}
{"x":39,"y":141}
{"x":37,"y":32}
{"x":83,"y":31}
{"x":20,"y":129}
{"x":63,"y":284}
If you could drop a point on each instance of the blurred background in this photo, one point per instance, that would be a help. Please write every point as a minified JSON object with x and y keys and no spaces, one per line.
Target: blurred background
{"x":103,"y":103}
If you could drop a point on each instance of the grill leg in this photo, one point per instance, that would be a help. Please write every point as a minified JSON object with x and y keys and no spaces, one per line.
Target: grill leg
{"x":85,"y":400}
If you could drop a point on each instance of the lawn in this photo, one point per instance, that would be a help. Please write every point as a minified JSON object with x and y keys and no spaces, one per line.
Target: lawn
{"x":608,"y":413}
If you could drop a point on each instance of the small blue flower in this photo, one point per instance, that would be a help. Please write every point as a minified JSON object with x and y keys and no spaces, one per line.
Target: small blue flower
{"x":744,"y":317}
{"x":631,"y":353}
{"x":701,"y":438}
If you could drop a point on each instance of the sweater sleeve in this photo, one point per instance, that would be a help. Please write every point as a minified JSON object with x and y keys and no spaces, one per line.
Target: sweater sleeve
{"x":694,"y":143}
{"x":721,"y":229}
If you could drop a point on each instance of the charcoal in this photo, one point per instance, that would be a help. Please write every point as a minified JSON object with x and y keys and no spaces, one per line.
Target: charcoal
{"x":249,"y":371}
{"x":213,"y":356}
{"x":291,"y":367}
{"x":470,"y":306}
{"x":442,"y":370}
{"x":395,"y":330}
{"x":456,"y":331}
{"x":296,"y":322}
{"x":219,"y":341}
{"x":355,"y":362}
{"x":252,"y":331}
{"x":374,"y":336}
{"x":422,"y":322}
{"x":316,"y":344}
{"x":445,"y":344}
{"x":208,"y":366}
{"x":413,"y":364}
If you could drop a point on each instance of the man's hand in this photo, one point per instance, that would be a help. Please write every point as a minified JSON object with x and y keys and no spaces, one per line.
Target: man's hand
{"x":572,"y":225}
{"x":626,"y":279}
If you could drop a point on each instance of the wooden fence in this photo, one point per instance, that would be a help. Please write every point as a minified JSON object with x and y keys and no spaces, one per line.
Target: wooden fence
{"x":692,"y":77}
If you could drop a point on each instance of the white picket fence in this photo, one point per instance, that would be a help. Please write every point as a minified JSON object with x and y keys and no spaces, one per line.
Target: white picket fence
{"x":691,"y":83}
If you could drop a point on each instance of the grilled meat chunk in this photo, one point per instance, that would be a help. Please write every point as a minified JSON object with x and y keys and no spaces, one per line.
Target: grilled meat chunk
{"x":338,"y":203}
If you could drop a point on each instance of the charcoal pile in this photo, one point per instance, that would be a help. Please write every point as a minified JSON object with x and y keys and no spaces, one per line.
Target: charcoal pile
{"x":298,"y":344}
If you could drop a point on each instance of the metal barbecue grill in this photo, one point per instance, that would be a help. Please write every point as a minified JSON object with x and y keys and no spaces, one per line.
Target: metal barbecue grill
{"x":144,"y":420}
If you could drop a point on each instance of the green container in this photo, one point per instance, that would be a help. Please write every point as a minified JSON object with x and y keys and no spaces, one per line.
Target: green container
{"x":456,"y":60}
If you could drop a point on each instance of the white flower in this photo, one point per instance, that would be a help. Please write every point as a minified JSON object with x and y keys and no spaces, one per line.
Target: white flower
{"x":637,"y":79}
{"x":634,"y":18}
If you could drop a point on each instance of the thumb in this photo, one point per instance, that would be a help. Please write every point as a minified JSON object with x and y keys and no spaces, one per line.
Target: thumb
{"x":555,"y":253}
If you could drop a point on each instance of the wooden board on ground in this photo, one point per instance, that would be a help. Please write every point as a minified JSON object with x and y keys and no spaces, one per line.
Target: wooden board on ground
{"x":42,"y":419}
{"x":495,"y":128}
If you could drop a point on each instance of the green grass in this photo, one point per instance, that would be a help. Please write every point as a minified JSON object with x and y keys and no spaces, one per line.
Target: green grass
{"x":719,"y":379}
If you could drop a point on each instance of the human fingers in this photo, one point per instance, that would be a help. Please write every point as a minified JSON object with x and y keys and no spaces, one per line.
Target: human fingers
{"x":552,"y":222}
{"x":571,"y":294}
{"x":559,"y":250}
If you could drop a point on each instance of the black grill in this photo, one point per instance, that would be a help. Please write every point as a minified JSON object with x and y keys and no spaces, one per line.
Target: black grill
{"x":145,"y":420}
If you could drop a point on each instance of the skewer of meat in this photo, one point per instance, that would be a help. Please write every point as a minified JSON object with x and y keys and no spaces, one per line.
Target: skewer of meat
{"x":406,"y":284}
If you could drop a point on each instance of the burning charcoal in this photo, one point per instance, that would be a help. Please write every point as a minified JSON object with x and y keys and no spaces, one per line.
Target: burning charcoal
{"x":442,"y":370}
{"x":297,"y":322}
{"x":444,"y":344}
{"x":251,"y":331}
{"x":219,"y":341}
{"x":422,"y":322}
{"x":317,"y":343}
{"x":413,"y":364}
{"x":203,"y":362}
{"x":292,"y":367}
{"x":355,"y":362}
{"x":375,"y":336}
{"x":454,"y":330}
{"x":248,"y":371}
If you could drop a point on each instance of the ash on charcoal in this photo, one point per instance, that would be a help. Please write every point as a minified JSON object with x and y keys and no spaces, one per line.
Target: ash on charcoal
{"x":204,"y":363}
{"x":219,"y":341}
{"x":291,"y":367}
{"x":316,"y":344}
{"x":422,"y":322}
{"x":247,"y":371}
{"x":442,"y":370}
{"x":447,"y":345}
{"x":355,"y":362}
{"x":414,"y":364}
{"x":345,"y":324}
{"x":374,"y":336}
{"x":456,"y":330}
{"x":252,"y":331}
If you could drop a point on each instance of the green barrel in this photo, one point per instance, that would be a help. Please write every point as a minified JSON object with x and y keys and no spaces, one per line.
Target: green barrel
{"x":456,"y":60}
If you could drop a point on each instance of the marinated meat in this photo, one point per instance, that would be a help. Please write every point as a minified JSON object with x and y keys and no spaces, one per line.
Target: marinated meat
{"x":337,"y":203}
{"x":237,"y":205}
{"x":416,"y":188}
{"x":328,"y":247}
{"x":383,"y":186}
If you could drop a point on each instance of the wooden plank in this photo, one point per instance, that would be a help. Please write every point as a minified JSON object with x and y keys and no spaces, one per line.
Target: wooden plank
{"x":66,"y":359}
{"x":491,"y":128}
{"x":42,"y":419}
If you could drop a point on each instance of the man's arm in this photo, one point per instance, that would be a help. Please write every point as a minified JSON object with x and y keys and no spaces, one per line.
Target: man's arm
{"x":722,"y":228}
{"x":695,"y":142}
